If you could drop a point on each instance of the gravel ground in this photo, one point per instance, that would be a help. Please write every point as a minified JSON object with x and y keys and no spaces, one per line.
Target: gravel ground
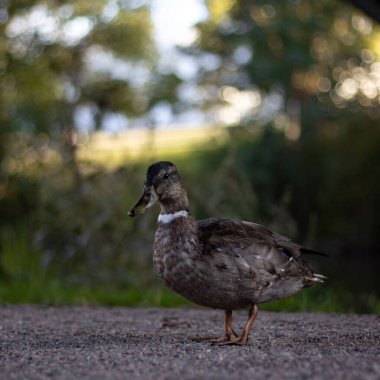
{"x":121,"y":343}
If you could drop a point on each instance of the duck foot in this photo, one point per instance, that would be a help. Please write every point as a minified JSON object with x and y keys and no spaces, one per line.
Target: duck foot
{"x":242,"y":340}
{"x":230,"y":337}
{"x":212,"y":339}
{"x":229,"y":333}
{"x":235,"y":341}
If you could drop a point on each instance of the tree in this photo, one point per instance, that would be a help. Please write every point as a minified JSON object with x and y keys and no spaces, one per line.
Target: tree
{"x":305,"y":74}
{"x":57,"y":59}
{"x":64,"y":66}
{"x":294,"y":55}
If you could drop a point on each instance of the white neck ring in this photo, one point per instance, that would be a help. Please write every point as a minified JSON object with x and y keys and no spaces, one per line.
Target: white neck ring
{"x":167,"y":218}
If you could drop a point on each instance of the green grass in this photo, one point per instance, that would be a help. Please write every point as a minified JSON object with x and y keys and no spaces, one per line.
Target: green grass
{"x":53,"y":292}
{"x":325,"y":298}
{"x":23,"y":279}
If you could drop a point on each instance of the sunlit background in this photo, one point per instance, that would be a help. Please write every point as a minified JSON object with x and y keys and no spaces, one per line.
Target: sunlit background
{"x":271,"y":111}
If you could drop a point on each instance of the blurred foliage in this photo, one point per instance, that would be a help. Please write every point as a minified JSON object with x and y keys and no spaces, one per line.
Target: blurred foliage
{"x":310,"y":71}
{"x":297,"y":82}
{"x":60,"y":59}
{"x":322,"y":57}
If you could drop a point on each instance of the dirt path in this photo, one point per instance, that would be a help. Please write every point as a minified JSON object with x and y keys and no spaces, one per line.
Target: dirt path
{"x":122,"y":343}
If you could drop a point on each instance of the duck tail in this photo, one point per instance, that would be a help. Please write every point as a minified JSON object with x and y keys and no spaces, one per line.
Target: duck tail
{"x":318,"y":277}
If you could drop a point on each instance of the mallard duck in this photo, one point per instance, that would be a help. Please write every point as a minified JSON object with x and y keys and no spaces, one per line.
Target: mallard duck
{"x":220,"y":263}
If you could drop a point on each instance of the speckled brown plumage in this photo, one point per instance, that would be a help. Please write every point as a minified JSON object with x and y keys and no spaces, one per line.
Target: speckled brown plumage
{"x":220,"y":263}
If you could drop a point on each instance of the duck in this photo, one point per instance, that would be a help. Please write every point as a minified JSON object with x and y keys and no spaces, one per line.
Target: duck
{"x":224,"y":264}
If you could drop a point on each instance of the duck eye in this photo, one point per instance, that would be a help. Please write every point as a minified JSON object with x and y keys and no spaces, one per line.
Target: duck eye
{"x":166,"y":175}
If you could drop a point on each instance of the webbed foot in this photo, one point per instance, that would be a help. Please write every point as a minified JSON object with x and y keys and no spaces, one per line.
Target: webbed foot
{"x":215,"y":339}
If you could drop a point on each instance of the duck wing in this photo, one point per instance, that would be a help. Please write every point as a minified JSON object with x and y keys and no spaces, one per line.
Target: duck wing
{"x":254,"y":250}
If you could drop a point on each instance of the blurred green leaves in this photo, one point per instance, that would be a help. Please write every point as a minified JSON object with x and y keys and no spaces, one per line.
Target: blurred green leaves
{"x":53,"y":57}
{"x":325,"y":53}
{"x":128,"y":35}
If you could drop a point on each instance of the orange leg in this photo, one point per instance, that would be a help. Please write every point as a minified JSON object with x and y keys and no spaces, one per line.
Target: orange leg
{"x":243,"y":338}
{"x":228,"y":331}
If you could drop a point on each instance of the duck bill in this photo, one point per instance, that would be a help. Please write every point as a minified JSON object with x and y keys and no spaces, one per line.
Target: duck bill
{"x":147,"y":200}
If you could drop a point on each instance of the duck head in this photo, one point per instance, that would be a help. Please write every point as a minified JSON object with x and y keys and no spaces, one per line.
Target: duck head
{"x":162,"y":184}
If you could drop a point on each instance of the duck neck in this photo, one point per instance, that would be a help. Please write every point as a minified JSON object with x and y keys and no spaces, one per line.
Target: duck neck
{"x":175,"y":203}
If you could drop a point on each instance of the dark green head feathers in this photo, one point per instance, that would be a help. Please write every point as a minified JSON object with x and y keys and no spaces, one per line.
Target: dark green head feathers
{"x":160,"y":171}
